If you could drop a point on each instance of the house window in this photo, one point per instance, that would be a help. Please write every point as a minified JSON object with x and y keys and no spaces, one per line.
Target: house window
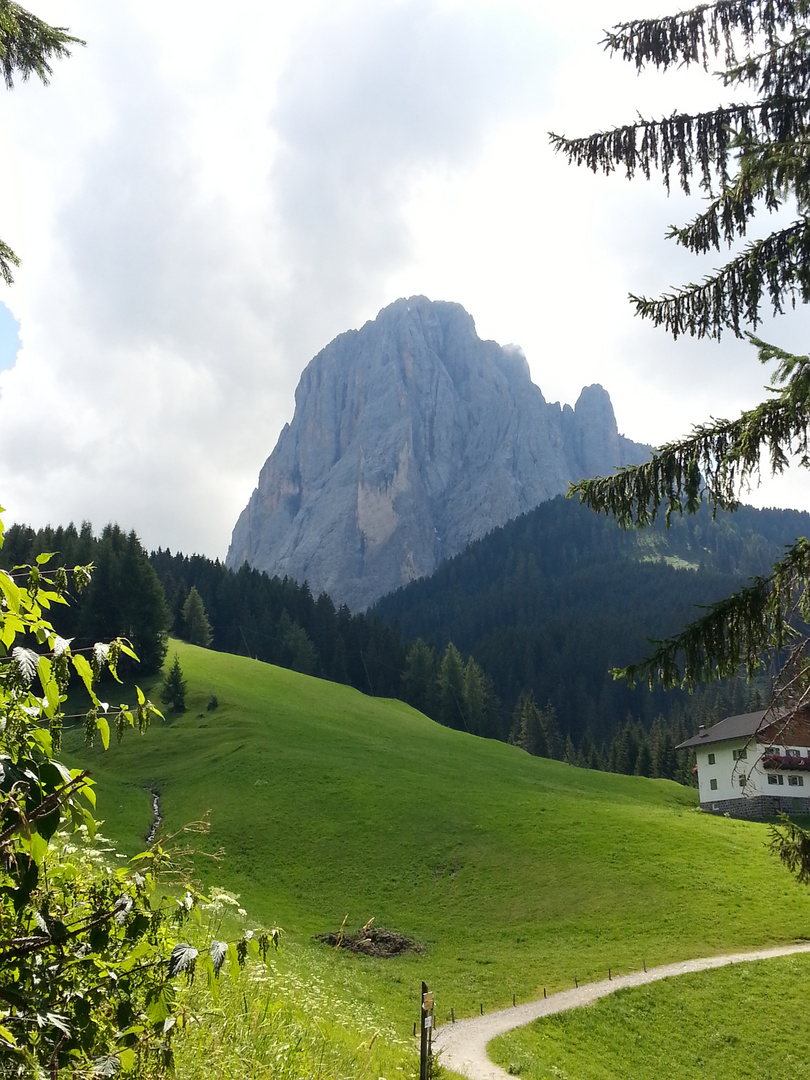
{"x":773,"y":778}
{"x":740,"y":755}
{"x":743,"y":778}
{"x":711,"y":759}
{"x":713,"y":785}
{"x":772,"y":750}
{"x":794,"y":753}
{"x":780,"y":778}
{"x":796,"y":781}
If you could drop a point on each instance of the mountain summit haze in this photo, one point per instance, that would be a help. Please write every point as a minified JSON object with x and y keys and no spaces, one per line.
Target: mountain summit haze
{"x":411,"y":438}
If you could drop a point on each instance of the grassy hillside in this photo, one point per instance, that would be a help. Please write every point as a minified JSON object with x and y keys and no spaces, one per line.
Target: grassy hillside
{"x":693,"y":1026}
{"x":516,"y":872}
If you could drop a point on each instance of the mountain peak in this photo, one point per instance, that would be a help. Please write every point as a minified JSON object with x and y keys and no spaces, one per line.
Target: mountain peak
{"x":411,"y":438}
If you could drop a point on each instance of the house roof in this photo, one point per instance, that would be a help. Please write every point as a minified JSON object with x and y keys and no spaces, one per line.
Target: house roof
{"x":733,"y":727}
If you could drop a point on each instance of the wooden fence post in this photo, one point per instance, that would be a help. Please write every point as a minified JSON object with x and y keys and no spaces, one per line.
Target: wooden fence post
{"x":426,"y":1013}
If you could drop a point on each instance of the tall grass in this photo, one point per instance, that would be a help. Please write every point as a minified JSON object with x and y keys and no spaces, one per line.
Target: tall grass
{"x":286,"y":1018}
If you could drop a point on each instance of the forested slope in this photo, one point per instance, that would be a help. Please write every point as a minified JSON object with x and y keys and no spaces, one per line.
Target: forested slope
{"x":513,"y":639}
{"x":552,"y":601}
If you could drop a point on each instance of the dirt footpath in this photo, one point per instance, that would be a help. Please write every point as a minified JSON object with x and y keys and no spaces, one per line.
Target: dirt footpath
{"x":463,"y":1045}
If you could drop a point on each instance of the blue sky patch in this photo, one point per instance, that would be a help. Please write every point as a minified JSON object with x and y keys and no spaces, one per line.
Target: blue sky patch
{"x":9,"y":338}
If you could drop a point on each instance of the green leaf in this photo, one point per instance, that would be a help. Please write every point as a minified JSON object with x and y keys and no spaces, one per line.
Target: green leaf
{"x":84,"y":671}
{"x":38,"y":847}
{"x":54,"y":698}
{"x":12,"y":626}
{"x":134,"y":955}
{"x":45,"y":557}
{"x":10,"y":591}
{"x":160,"y":1003}
{"x":7,"y":1037}
{"x":213,"y":980}
{"x":128,"y":1059}
{"x":219,"y":950}
{"x":43,"y":739}
{"x":104,"y":730}
{"x":182,"y":958}
{"x":80,"y":815}
{"x":44,"y":667}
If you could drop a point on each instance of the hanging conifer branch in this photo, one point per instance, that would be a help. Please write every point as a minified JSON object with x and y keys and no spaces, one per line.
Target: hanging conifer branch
{"x":28,"y":45}
{"x":695,"y":36}
{"x":745,"y":158}
{"x":718,"y":459}
{"x":7,"y":260}
{"x":777,"y":267}
{"x":779,"y":71}
{"x":688,"y":144}
{"x":769,"y":146}
{"x":769,"y":175}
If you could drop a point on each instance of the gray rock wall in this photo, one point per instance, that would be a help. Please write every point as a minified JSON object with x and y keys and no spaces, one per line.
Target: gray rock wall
{"x":411,"y":438}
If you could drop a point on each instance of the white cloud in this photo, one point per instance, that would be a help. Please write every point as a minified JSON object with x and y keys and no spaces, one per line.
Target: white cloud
{"x":202,"y":202}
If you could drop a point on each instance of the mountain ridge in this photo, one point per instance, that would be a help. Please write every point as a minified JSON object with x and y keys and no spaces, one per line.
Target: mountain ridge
{"x":411,"y":438}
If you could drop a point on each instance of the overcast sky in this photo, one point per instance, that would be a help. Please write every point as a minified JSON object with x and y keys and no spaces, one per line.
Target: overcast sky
{"x":201,"y":205}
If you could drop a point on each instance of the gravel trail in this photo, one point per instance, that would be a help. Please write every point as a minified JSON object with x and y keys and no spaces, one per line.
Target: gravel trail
{"x":463,"y":1045}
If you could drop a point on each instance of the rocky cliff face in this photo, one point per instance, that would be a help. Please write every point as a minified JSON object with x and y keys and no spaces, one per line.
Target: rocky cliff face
{"x":411,"y":438}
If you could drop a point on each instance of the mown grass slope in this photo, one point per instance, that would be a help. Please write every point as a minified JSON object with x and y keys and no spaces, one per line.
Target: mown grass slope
{"x":516,"y":872}
{"x":746,"y":1022}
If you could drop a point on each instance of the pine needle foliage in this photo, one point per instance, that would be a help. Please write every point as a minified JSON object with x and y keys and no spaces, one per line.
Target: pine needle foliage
{"x":28,"y":45}
{"x":744,"y":158}
{"x":173,"y":691}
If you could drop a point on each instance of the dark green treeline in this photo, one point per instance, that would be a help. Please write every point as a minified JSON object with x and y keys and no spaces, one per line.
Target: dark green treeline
{"x":514,"y":639}
{"x":124,"y":597}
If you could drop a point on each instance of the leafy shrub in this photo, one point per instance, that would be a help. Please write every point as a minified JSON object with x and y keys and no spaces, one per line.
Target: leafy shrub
{"x":89,"y":953}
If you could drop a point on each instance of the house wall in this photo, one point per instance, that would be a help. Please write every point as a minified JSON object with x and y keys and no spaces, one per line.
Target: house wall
{"x":725,"y":770}
{"x":758,"y":798}
{"x":758,"y":808}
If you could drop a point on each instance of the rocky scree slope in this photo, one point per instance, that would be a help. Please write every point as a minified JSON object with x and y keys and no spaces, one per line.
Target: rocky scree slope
{"x":411,"y":438}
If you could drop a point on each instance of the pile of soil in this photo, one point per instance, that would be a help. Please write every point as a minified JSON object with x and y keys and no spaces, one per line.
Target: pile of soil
{"x":372,"y":941}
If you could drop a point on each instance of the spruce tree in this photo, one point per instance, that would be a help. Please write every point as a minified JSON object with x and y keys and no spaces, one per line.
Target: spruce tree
{"x":174,"y":688}
{"x":419,"y":677}
{"x":195,"y":621}
{"x":745,"y":158}
{"x":27,"y":47}
{"x":475,"y":697}
{"x":452,"y":704}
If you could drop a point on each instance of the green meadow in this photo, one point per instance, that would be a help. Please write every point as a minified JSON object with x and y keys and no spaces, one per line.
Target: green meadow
{"x":744,"y":1022}
{"x":516,"y":873}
